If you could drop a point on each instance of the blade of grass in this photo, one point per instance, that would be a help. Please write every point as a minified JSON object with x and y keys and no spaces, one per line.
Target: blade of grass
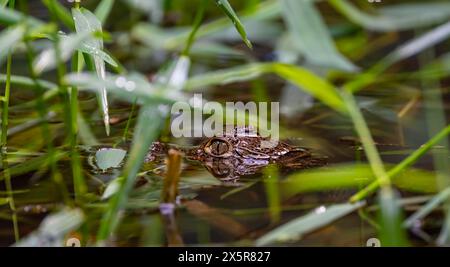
{"x":80,"y":187}
{"x":407,"y":162}
{"x":103,"y":10}
{"x":66,"y":46}
{"x":298,"y":227}
{"x":4,"y":134}
{"x":390,"y":215}
{"x":86,"y":22}
{"x":301,"y":77}
{"x":26,"y":82}
{"x":427,"y":208}
{"x":416,"y":17}
{"x":52,"y":155}
{"x":228,"y":10}
{"x":196,"y":25}
{"x":149,"y":123}
{"x":436,"y":119}
{"x":60,"y":12}
{"x":127,"y":87}
{"x":273,"y":193}
{"x":9,"y":38}
{"x":311,"y":36}
{"x":9,"y":17}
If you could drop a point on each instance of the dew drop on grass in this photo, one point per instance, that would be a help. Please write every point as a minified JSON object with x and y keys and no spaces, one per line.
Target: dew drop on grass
{"x":130,"y":86}
{"x":320,"y":210}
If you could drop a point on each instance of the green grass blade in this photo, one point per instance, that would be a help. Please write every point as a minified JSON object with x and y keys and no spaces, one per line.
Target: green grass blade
{"x":396,"y":17}
{"x":410,"y":160}
{"x":9,"y":38}
{"x":273,"y":193}
{"x":417,"y":45}
{"x":103,"y":10}
{"x":60,"y":12}
{"x":311,"y":35}
{"x":353,"y":176}
{"x":126,"y":87}
{"x":54,"y":229}
{"x":427,"y":208}
{"x":86,"y":22}
{"x":301,"y":77}
{"x":9,"y":17}
{"x":298,"y":227}
{"x":150,"y":121}
{"x":46,"y":60}
{"x":228,"y":10}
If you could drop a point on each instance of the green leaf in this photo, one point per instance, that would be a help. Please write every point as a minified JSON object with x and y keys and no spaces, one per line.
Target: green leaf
{"x":311,"y":36}
{"x":396,"y":17}
{"x":86,"y":22}
{"x":53,"y":229}
{"x":109,"y":157}
{"x":150,"y":121}
{"x":67,"y":45}
{"x":298,"y":227}
{"x":8,"y":40}
{"x":3,"y":3}
{"x":226,"y":7}
{"x":104,"y":9}
{"x":301,"y":77}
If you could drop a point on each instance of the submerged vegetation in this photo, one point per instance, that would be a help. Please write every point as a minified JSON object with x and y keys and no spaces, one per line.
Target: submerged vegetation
{"x":87,"y":87}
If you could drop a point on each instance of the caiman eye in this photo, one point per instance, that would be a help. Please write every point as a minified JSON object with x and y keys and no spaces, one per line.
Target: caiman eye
{"x":218,"y":147}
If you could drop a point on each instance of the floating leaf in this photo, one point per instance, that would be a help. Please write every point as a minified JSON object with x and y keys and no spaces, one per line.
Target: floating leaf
{"x":311,"y":35}
{"x":226,"y":7}
{"x":109,"y":157}
{"x":298,"y":227}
